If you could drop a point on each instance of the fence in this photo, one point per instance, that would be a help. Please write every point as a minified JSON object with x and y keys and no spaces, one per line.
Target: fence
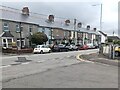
{"x":108,"y":50}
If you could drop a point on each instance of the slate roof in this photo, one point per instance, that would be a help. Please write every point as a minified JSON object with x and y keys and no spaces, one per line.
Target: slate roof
{"x":7,"y":34}
{"x":39,"y":19}
{"x":113,"y":37}
{"x":103,"y":33}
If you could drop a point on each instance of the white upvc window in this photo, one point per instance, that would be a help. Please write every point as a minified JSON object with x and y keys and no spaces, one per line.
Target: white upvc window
{"x":30,"y":28}
{"x":4,"y":43}
{"x":43,"y":30}
{"x":17,"y":28}
{"x":7,"y":42}
{"x":19,"y":43}
{"x":5,"y":26}
{"x":65,"y":33}
{"x":21,"y":27}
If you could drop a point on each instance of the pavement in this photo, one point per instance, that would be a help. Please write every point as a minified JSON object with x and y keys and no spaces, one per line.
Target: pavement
{"x":96,"y":57}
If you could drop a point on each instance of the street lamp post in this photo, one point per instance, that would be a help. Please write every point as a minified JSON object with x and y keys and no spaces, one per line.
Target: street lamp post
{"x":100,"y":15}
{"x":101,"y":18}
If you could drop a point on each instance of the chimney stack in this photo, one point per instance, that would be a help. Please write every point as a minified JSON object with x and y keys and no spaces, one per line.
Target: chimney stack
{"x":94,"y":29}
{"x":25,"y":11}
{"x":79,"y":25}
{"x":67,"y":22}
{"x":51,"y":18}
{"x":88,"y":27}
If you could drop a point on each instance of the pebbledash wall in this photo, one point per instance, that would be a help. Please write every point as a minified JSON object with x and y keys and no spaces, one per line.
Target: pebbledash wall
{"x":14,"y":20}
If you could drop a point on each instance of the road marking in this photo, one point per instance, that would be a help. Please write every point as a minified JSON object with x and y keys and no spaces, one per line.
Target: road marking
{"x":15,"y":63}
{"x":39,"y":61}
{"x":25,"y":63}
{"x":103,"y":64}
{"x":5,"y":66}
{"x":68,"y":56}
{"x":89,"y":61}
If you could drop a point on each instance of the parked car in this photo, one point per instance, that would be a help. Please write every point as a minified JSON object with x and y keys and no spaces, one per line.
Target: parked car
{"x":41,"y":49}
{"x":96,"y":45}
{"x":82,"y":47}
{"x":72,"y":47}
{"x":90,"y":46}
{"x":59,"y":48}
{"x":117,"y":51}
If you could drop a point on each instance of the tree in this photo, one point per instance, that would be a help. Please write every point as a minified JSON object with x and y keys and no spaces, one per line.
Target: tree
{"x":117,"y":42}
{"x":109,"y":40}
{"x":39,"y":38}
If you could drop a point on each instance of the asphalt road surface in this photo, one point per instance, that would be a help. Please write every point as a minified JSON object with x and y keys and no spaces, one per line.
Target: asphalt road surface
{"x":57,"y":70}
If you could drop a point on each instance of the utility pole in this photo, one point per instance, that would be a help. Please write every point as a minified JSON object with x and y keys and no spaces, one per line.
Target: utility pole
{"x":100,"y":15}
{"x":113,"y":32}
{"x":20,"y":36}
{"x":51,"y":35}
{"x":75,"y":31}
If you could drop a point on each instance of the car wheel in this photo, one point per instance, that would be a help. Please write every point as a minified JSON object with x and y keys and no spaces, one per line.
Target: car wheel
{"x":50,"y":51}
{"x":116,"y":54}
{"x":72,"y":49}
{"x":66,"y":50}
{"x":41,"y":52}
{"x":60,"y":50}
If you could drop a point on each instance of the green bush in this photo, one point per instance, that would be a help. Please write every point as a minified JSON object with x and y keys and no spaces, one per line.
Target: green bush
{"x":39,"y":38}
{"x":117,"y":42}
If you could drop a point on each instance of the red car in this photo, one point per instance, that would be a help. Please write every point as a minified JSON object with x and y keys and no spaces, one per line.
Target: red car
{"x":82,"y":47}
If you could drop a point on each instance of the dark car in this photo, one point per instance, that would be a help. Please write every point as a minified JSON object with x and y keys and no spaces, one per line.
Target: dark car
{"x":59,"y":48}
{"x":72,"y":47}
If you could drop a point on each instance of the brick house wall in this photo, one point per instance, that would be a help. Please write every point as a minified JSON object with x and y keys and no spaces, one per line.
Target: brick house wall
{"x":61,"y":35}
{"x":25,"y":30}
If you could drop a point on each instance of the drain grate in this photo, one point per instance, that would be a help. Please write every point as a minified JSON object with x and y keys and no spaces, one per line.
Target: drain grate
{"x":22,"y":59}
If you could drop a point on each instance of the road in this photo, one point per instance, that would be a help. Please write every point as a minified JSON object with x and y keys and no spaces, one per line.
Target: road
{"x":57,"y":70}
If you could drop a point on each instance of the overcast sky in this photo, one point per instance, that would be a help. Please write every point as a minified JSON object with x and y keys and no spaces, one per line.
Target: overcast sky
{"x":82,"y":10}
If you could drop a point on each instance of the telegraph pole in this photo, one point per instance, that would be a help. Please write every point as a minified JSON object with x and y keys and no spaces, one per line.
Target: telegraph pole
{"x":74,"y":31}
{"x":20,"y":36}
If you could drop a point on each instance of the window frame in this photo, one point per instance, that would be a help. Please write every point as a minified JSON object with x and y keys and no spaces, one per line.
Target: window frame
{"x":17,"y":27}
{"x":5,"y":26}
{"x":30,"y":28}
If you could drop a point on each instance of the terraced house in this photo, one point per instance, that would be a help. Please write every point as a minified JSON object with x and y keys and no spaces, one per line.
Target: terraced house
{"x":18,"y":25}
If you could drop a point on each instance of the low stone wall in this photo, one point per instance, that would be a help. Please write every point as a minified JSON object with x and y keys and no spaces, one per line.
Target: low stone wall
{"x":105,"y":50}
{"x":10,"y":50}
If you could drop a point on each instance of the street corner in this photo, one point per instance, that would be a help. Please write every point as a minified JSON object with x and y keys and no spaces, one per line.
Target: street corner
{"x":78,"y":57}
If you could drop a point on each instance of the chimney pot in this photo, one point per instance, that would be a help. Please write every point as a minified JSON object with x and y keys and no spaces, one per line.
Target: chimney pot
{"x":79,"y":25}
{"x":67,"y":22}
{"x":95,"y":29}
{"x":25,"y":11}
{"x":88,"y":27}
{"x":51,"y":18}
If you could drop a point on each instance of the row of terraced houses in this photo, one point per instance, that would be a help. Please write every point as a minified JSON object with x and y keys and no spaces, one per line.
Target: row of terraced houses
{"x":17,"y":25}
